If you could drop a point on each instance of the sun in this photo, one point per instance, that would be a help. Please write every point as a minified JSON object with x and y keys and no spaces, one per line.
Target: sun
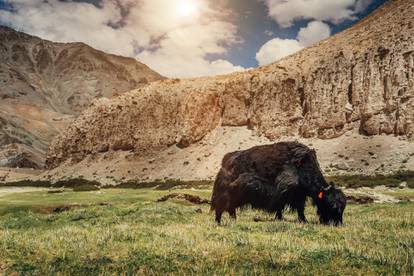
{"x":187,"y":8}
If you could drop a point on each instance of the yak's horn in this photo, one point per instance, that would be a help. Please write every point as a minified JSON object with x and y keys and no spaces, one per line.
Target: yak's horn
{"x":327,"y":188}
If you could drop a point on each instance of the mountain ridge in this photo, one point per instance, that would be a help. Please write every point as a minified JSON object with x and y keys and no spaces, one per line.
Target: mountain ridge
{"x":46,"y":84}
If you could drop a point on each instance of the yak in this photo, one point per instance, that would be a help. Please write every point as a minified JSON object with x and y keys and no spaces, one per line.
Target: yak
{"x":273,"y":177}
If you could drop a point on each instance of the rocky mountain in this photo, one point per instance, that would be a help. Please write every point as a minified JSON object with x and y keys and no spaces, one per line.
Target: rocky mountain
{"x":357,"y":84}
{"x":44,"y":85}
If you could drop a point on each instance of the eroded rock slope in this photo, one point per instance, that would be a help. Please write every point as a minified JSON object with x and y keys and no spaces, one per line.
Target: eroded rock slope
{"x":359,"y":80}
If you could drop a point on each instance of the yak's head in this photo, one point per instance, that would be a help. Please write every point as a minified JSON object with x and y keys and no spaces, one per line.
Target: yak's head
{"x":331,"y":204}
{"x":330,"y":201}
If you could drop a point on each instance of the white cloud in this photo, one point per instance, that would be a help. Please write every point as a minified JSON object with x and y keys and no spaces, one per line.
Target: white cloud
{"x":285,"y":13}
{"x":362,"y":5}
{"x":314,"y":32}
{"x":157,"y":32}
{"x":182,"y":52}
{"x":276,"y":49}
{"x":224,"y":67}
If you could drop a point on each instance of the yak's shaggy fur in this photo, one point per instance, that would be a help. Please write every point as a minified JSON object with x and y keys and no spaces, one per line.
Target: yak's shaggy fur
{"x":272,"y":177}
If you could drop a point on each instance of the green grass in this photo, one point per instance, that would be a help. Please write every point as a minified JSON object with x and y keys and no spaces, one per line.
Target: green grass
{"x":132,"y":234}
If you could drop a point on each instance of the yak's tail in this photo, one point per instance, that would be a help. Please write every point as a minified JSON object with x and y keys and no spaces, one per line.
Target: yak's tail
{"x":218,"y":183}
{"x":223,"y":179}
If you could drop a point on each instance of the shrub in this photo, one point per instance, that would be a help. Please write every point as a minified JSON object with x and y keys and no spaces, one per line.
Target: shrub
{"x":357,"y":181}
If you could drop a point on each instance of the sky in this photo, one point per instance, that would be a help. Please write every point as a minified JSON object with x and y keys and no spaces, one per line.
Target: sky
{"x":188,"y":38}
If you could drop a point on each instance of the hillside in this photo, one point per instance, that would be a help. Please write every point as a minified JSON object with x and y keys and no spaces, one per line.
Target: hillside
{"x":351,"y":92}
{"x":44,"y":85}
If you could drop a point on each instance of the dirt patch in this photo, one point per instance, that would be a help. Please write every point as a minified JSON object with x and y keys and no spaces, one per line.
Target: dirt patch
{"x":360,"y":199}
{"x":368,"y":195}
{"x":65,"y":208}
{"x":14,"y":174}
{"x":190,"y":198}
{"x":3,"y":268}
{"x":68,"y":207}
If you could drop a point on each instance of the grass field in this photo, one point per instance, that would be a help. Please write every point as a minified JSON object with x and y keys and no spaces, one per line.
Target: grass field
{"x":124,"y":231}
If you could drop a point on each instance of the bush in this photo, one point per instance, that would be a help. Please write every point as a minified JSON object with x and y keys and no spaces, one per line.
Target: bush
{"x":76,"y":183}
{"x":357,"y":181}
{"x":164,"y":184}
{"x":27,"y":183}
{"x":85,"y":188}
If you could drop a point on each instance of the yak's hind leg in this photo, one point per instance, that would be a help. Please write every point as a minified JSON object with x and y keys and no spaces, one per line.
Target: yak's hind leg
{"x":232,"y":213}
{"x":219,"y":213}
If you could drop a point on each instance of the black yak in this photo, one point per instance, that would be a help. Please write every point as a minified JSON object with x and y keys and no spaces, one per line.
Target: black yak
{"x":272,"y":177}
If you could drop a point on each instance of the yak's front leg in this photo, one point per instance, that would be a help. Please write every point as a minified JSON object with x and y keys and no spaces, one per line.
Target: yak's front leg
{"x":301,"y":216}
{"x":232,"y":213}
{"x":218,"y":216}
{"x":279,"y":214}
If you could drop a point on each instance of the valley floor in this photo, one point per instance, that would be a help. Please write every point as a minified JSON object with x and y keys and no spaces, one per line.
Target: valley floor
{"x":113,"y":231}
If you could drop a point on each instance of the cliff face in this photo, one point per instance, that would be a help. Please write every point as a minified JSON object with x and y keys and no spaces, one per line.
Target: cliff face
{"x":361,"y":79}
{"x":43,"y":85}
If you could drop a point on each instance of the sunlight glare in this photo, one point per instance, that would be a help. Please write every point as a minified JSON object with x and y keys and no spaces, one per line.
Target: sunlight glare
{"x":187,"y":8}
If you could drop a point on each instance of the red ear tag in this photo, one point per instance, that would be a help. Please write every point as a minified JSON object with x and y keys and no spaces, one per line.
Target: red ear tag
{"x":320,"y":195}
